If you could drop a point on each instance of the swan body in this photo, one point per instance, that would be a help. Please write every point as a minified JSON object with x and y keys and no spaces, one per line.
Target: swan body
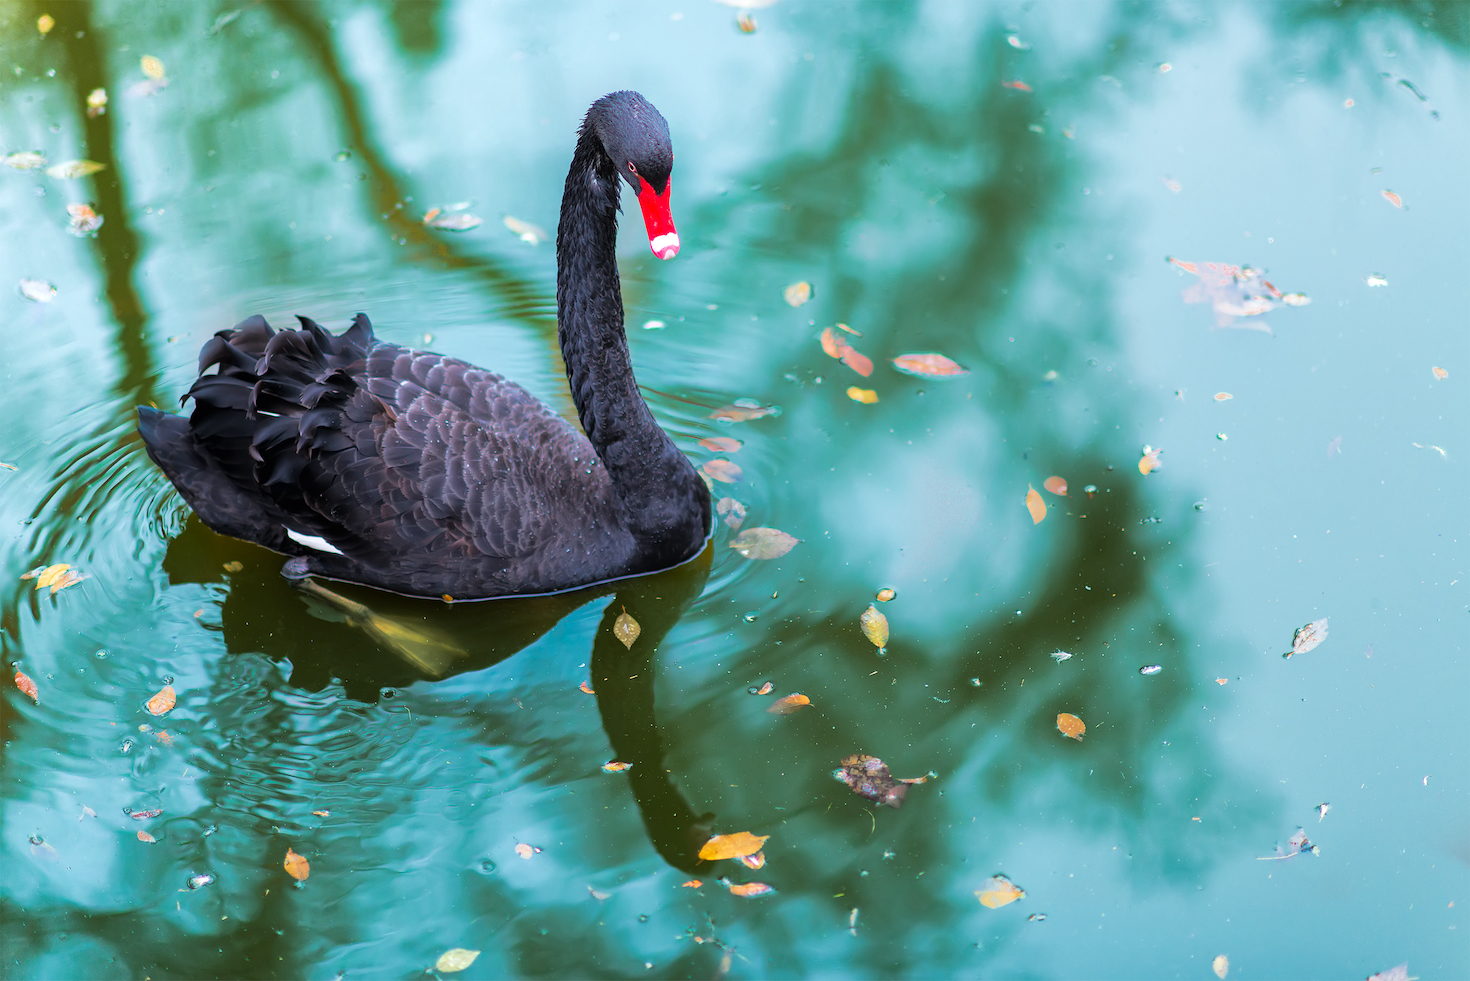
{"x":419,"y":473}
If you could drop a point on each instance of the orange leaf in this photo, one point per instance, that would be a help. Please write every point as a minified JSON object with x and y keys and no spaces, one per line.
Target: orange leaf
{"x":1035,"y":505}
{"x":1439,"y":373}
{"x":1223,"y":396}
{"x":1149,"y":462}
{"x":797,"y":293}
{"x":1222,"y":681}
{"x":751,"y":889}
{"x":884,"y":595}
{"x":163,"y":701}
{"x":1056,"y":485}
{"x":296,"y":866}
{"x":864,"y":395}
{"x":721,"y":444}
{"x":998,"y":891}
{"x":756,"y":861}
{"x":691,"y":884}
{"x":322,"y":814}
{"x":1018,"y":85}
{"x":25,"y":684}
{"x":146,"y":837}
{"x":743,"y":411}
{"x":830,"y":344}
{"x":929,"y":365}
{"x":737,"y":845}
{"x":586,"y":688}
{"x":722,"y":470}
{"x":765,"y":689}
{"x":857,"y":361}
{"x":1392,"y":198}
{"x":789,"y":704}
{"x":1071,"y":726}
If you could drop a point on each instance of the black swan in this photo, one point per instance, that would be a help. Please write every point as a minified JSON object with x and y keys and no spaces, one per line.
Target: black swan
{"x":424,"y":475}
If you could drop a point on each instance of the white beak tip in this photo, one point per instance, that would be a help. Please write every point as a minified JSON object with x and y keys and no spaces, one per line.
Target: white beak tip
{"x":665,"y":246}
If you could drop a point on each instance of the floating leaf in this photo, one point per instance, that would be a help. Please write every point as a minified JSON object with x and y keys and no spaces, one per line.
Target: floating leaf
{"x":1295,"y":299}
{"x":96,"y":103}
{"x":1150,"y":669}
{"x":838,"y":347}
{"x":144,"y":815}
{"x":44,"y":23}
{"x":524,"y":850}
{"x":1016,"y":84}
{"x":1060,"y":656}
{"x":797,"y":293}
{"x":40,"y":291}
{"x":163,"y":701}
{"x":1223,"y":396}
{"x":928,"y":365}
{"x":763,"y":543}
{"x":69,"y":577}
{"x":46,"y":575}
{"x":743,"y":411}
{"x":1399,"y":972}
{"x":1221,"y":966}
{"x":998,"y":891}
{"x":732,"y":511}
{"x":691,"y":884}
{"x":1397,"y":202}
{"x":1438,"y":372}
{"x":146,"y":838}
{"x":599,"y":896}
{"x":24,"y":683}
{"x":1222,"y":681}
{"x":1308,"y":637}
{"x":750,"y":889}
{"x":1071,"y":726}
{"x":616,"y":766}
{"x":626,"y":629}
{"x":25,"y":160}
{"x":788,"y":704}
{"x":527,"y":232}
{"x":875,"y":626}
{"x":152,"y":67}
{"x":884,"y":595}
{"x":864,"y":395}
{"x":72,"y":169}
{"x":461,"y":221}
{"x":756,"y":861}
{"x":764,"y":689}
{"x":1149,"y":462}
{"x":322,"y":814}
{"x":721,"y":444}
{"x":455,"y":959}
{"x":1056,"y":485}
{"x":736,"y":845}
{"x":722,"y":470}
{"x":869,"y":777}
{"x":587,"y":688}
{"x":83,"y":220}
{"x":296,"y":866}
{"x":1035,"y":505}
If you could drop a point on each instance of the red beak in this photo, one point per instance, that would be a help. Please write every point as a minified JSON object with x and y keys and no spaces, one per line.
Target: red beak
{"x":662,"y":238}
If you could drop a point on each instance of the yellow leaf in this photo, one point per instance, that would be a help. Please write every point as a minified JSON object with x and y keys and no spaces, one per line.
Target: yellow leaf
{"x":998,"y":891}
{"x":875,"y":626}
{"x":48,"y":575}
{"x":152,"y":67}
{"x":163,"y":701}
{"x":1071,"y":726}
{"x":885,"y":594}
{"x":788,"y":704}
{"x":737,"y":845}
{"x":1035,"y":505}
{"x":797,"y":293}
{"x":626,"y":629}
{"x":296,"y":866}
{"x":44,"y":23}
{"x":864,"y":395}
{"x":455,"y":959}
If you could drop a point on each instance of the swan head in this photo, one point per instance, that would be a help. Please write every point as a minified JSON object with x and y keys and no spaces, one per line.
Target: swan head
{"x":635,"y":137}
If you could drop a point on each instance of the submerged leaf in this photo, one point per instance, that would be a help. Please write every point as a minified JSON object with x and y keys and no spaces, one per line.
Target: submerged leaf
{"x":788,"y":704}
{"x":24,"y":683}
{"x":1055,"y":485}
{"x":797,"y":293}
{"x":72,"y":169}
{"x":1035,"y":505}
{"x":1308,"y":637}
{"x":722,"y":470}
{"x":1295,"y":845}
{"x":998,"y":891}
{"x":25,"y":160}
{"x":763,"y":543}
{"x":527,"y":232}
{"x":163,"y":701}
{"x":732,"y":511}
{"x":296,"y":866}
{"x":721,"y":444}
{"x":1071,"y":726}
{"x":626,"y":629}
{"x":456,"y":959}
{"x":743,"y":411}
{"x":875,"y":626}
{"x":869,"y":777}
{"x":928,"y":365}
{"x":736,"y":845}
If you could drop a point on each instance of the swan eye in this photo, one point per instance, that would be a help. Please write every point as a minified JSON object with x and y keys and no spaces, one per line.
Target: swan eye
{"x":632,"y":169}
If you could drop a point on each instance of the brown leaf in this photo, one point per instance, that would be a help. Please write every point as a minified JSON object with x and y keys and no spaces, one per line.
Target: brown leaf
{"x":163,"y":701}
{"x":743,"y":411}
{"x":1035,"y":505}
{"x":234,"y":566}
{"x":1308,"y":637}
{"x":875,"y":626}
{"x":721,"y":444}
{"x":1071,"y":726}
{"x":736,"y":845}
{"x":998,"y":891}
{"x":751,"y":889}
{"x":864,"y":395}
{"x":626,"y":629}
{"x":145,"y":837}
{"x":797,"y":293}
{"x":869,"y":777}
{"x":25,"y":684}
{"x":722,"y":470}
{"x":1056,"y":485}
{"x":296,"y":866}
{"x":732,"y":511}
{"x":763,"y":543}
{"x":788,"y":704}
{"x":928,"y":365}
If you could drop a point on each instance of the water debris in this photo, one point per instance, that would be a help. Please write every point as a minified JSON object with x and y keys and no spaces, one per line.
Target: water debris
{"x":1150,"y":669}
{"x":1221,"y":966}
{"x":526,"y":851}
{"x":599,"y":896}
{"x":1071,"y":726}
{"x":743,"y":410}
{"x":83,"y":220}
{"x":616,"y":766}
{"x":797,"y":293}
{"x":1399,"y":972}
{"x":1090,"y":490}
{"x":763,"y":543}
{"x":44,"y":23}
{"x":525,"y":231}
{"x":1036,"y":918}
{"x":928,"y":366}
{"x":225,"y":19}
{"x":25,"y":160}
{"x":1014,"y":40}
{"x":884,"y":595}
{"x":1149,"y":461}
{"x":654,"y":325}
{"x":998,"y":891}
{"x":1172,"y":184}
{"x":788,"y":704}
{"x":1223,"y":396}
{"x":745,"y":20}
{"x":1439,"y":373}
{"x":875,"y":626}
{"x":869,"y":777}
{"x":864,"y":395}
{"x":1055,"y":485}
{"x":1322,"y":810}
{"x":837,"y":347}
{"x":200,"y":881}
{"x":1295,"y":845}
{"x":1060,"y":655}
{"x":163,"y":702}
{"x":72,"y":169}
{"x":1308,"y":637}
{"x":852,"y":919}
{"x":764,"y":689}
{"x":1016,"y":84}
{"x":1222,"y":681}
{"x":731,"y":511}
{"x":1334,"y":446}
{"x":721,"y":444}
{"x":1376,"y":279}
{"x":1236,"y":292}
{"x":756,"y":861}
{"x":1392,"y":198}
{"x":144,"y":815}
{"x":322,"y":813}
{"x":736,"y":845}
{"x":722,"y":470}
{"x":456,"y":959}
{"x":626,"y":629}
{"x":25,"y":684}
{"x":1035,"y":505}
{"x":87,"y":812}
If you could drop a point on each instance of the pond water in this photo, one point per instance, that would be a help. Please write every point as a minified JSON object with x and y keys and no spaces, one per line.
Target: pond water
{"x":1001,"y":184}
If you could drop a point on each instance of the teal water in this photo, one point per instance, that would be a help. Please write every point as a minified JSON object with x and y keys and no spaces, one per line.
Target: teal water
{"x":878,"y":153}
